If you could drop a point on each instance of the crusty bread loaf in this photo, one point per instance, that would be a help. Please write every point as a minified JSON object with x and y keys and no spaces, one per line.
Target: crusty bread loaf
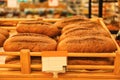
{"x":97,"y":44}
{"x":4,"y":32}
{"x":83,"y":31}
{"x":16,"y":60}
{"x":8,"y":23}
{"x":90,"y":61}
{"x":3,"y":36}
{"x":39,"y":27}
{"x":2,"y":39}
{"x":70,"y":20}
{"x":34,"y":42}
{"x":85,"y":24}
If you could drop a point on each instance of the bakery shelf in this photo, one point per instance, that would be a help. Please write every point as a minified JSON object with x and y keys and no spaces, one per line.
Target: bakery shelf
{"x":27,"y":71}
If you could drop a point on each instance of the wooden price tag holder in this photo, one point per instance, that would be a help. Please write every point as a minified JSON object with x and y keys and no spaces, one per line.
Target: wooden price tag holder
{"x":54,"y":62}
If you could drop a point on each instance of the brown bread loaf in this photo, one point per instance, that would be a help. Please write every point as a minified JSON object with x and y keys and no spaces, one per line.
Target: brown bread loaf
{"x":2,"y":39}
{"x":83,"y":31}
{"x":8,"y":23}
{"x":90,"y":61}
{"x":39,"y":27}
{"x":4,"y":34}
{"x":16,"y":60}
{"x":99,"y":44}
{"x":70,"y":20}
{"x":34,"y":42}
{"x":85,"y":24}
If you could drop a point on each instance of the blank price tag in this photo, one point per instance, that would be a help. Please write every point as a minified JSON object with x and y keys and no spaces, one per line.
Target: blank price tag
{"x":12,"y":4}
{"x":53,"y":2}
{"x":54,"y":61}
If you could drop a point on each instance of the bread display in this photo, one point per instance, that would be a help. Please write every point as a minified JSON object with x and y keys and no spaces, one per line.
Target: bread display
{"x":34,"y":42}
{"x":78,"y":35}
{"x":3,"y":36}
{"x":39,"y":27}
{"x":70,"y":20}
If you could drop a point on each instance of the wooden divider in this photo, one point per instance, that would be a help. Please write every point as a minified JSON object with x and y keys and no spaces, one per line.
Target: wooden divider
{"x":25,"y":61}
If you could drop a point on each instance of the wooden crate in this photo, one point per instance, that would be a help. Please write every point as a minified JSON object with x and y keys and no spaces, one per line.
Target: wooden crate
{"x":26,"y":72}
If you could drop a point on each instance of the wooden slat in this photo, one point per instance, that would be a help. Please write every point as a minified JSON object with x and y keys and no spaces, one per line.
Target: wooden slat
{"x":69,"y":54}
{"x":8,"y":27}
{"x":36,"y":66}
{"x":39,"y":66}
{"x":75,"y":67}
{"x":10,"y":53}
{"x":25,"y":61}
{"x":37,"y":74}
{"x":91,"y":54}
{"x":117,"y":63}
{"x":9,"y":66}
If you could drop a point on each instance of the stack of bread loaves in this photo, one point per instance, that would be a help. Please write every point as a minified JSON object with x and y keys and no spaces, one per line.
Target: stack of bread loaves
{"x":36,"y":36}
{"x":85,"y":36}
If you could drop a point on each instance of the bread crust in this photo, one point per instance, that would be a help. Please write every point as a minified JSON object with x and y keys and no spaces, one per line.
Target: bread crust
{"x":34,"y":42}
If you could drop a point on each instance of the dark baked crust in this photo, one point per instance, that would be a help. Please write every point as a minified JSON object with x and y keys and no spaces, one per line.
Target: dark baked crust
{"x":98,"y":44}
{"x":34,"y":42}
{"x":39,"y":27}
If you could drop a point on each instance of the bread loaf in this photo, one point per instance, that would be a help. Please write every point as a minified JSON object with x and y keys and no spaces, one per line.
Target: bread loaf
{"x":8,"y":23}
{"x":4,"y":32}
{"x":85,"y":24}
{"x":2,"y":39}
{"x":16,"y":60}
{"x":99,"y":44}
{"x":90,"y":61}
{"x":39,"y":27}
{"x":71,"y":20}
{"x":80,"y":30}
{"x":3,"y":36}
{"x":34,"y":42}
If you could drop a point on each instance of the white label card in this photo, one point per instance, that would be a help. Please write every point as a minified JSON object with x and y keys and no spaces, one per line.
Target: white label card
{"x":12,"y":3}
{"x":53,"y":63}
{"x":53,"y":2}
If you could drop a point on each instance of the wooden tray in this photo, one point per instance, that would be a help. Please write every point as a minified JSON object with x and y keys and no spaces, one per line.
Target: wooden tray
{"x":73,"y":71}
